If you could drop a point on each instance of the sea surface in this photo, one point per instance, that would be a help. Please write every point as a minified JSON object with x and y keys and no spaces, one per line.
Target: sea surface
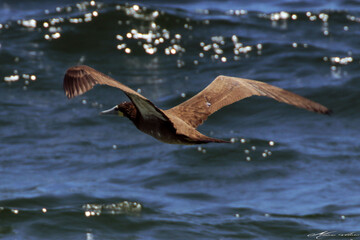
{"x":68,"y":173}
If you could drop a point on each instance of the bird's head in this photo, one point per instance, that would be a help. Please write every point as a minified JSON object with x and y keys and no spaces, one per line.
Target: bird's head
{"x":125,"y":109}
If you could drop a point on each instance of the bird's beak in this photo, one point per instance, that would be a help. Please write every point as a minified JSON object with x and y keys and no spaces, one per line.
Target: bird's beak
{"x":112,"y":111}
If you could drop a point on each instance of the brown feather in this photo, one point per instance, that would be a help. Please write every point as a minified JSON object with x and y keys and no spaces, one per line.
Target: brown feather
{"x":226,"y":90}
{"x":80,"y":79}
{"x":177,"y":125}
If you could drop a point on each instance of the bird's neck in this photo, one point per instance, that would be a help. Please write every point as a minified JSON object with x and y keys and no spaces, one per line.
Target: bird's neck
{"x":130,"y":111}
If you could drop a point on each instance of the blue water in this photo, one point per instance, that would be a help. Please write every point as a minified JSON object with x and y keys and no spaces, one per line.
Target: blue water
{"x":57,"y":156}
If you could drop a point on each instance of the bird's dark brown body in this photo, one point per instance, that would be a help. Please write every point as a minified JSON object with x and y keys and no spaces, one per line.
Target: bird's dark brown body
{"x":178,"y":124}
{"x":159,"y":129}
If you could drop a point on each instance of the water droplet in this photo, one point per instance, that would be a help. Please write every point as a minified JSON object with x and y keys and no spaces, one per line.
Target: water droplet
{"x":12,"y":78}
{"x":84,"y":101}
{"x":44,"y":210}
{"x":15,"y":211}
{"x":114,"y":146}
{"x":29,"y":23}
{"x":121,"y":46}
{"x":271,"y":143}
{"x":56,"y":35}
{"x":248,"y":158}
{"x":155,"y":14}
{"x":242,"y":140}
{"x":136,"y":7}
{"x":284,"y":15}
{"x":232,"y":140}
{"x":89,"y":236}
{"x":312,"y":18}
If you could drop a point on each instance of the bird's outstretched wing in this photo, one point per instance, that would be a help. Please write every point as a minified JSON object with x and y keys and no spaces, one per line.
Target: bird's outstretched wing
{"x":226,"y":90}
{"x":80,"y":79}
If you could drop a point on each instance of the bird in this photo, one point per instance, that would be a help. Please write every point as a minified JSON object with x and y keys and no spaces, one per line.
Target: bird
{"x":178,"y":124}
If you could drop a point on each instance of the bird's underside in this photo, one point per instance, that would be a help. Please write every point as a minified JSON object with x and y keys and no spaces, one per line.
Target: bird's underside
{"x":178,"y":124}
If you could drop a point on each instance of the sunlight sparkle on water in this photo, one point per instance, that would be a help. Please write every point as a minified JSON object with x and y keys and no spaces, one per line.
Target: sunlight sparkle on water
{"x":342,"y":61}
{"x":29,"y":23}
{"x":56,"y":35}
{"x":15,"y":211}
{"x":12,"y":78}
{"x":124,"y":207}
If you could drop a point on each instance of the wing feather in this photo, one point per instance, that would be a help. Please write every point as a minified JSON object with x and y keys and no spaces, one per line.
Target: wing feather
{"x":226,"y":90}
{"x":80,"y":79}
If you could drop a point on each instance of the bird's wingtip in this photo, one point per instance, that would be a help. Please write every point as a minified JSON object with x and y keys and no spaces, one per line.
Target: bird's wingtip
{"x":329,"y":112}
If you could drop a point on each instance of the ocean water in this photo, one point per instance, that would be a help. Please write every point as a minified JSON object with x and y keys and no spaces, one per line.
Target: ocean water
{"x":68,"y":173}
